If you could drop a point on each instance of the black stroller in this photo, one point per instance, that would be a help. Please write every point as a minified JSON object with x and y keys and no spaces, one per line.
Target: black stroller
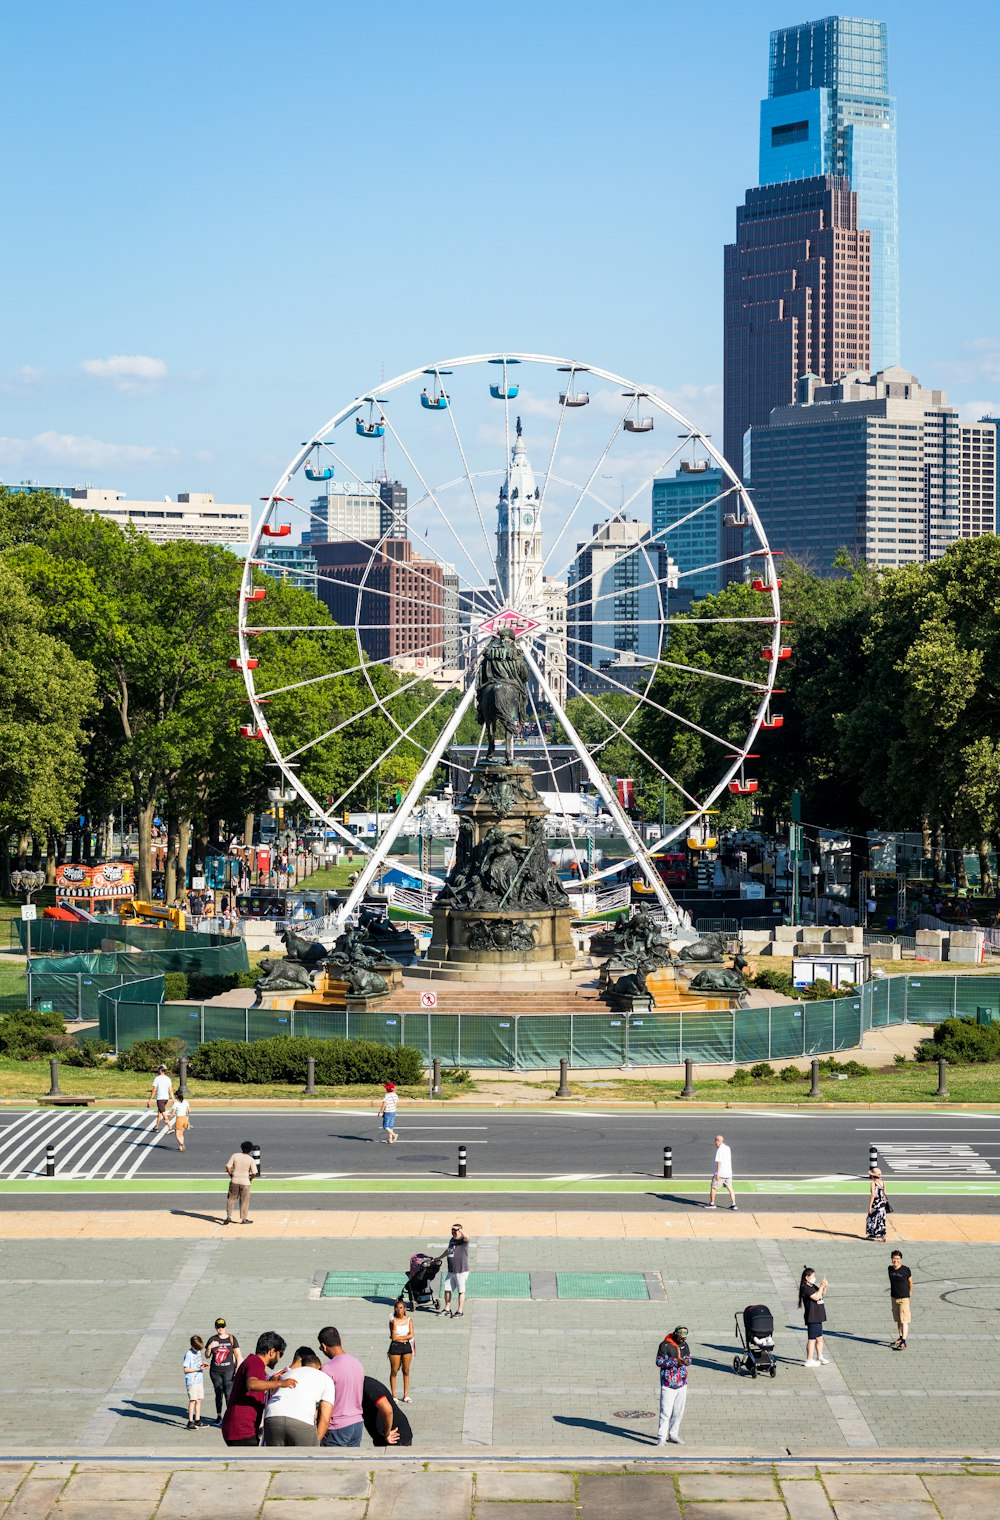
{"x":418,"y":1289}
{"x":757,"y":1339}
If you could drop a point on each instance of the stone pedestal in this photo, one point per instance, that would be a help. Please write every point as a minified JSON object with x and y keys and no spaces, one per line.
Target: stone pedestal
{"x":502,"y":915}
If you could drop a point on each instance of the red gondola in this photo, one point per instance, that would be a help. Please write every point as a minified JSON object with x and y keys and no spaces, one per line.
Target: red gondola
{"x":784,"y":653}
{"x":256,"y":595}
{"x":281,"y":530}
{"x":238,"y":664}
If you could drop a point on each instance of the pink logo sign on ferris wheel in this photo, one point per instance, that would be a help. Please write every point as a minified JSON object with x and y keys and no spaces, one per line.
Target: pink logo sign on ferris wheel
{"x":509,"y":621}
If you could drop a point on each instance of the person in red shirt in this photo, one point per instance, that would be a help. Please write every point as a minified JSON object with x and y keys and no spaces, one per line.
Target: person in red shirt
{"x":251,"y":1385}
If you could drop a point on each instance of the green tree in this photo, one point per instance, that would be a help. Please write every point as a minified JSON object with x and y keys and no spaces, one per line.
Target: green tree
{"x":46,"y":698}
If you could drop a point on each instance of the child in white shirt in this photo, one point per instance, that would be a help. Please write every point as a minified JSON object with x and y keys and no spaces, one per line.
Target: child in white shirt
{"x":193,"y":1367}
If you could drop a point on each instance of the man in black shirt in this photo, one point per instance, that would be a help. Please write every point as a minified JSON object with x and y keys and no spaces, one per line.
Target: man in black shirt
{"x":901,"y":1289}
{"x":384,"y":1421}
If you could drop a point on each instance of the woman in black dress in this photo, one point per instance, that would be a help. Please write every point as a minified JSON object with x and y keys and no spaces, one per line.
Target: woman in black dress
{"x":877,"y":1210}
{"x":811,"y":1295}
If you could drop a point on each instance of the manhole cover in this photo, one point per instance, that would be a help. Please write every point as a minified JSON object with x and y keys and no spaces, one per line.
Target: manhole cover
{"x":635,"y":1414}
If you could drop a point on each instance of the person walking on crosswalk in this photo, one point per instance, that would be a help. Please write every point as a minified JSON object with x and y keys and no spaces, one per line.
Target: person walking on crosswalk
{"x":161,"y":1093}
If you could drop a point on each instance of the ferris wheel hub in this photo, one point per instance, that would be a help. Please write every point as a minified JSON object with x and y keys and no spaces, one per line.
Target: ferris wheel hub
{"x":509,"y":621}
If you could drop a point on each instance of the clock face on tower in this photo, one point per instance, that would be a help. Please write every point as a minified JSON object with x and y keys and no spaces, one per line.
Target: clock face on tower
{"x":528,"y":519}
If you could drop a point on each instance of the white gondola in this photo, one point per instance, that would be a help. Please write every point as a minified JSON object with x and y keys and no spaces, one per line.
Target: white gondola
{"x":571,"y":396}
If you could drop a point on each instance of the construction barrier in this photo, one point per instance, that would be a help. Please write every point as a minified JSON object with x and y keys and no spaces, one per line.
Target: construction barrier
{"x":525,"y":1042}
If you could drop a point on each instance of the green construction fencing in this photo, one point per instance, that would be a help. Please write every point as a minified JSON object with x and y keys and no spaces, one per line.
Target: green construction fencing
{"x":174,"y":949}
{"x":526,"y":1042}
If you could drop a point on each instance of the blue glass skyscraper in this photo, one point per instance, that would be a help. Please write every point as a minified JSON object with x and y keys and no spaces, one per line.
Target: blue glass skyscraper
{"x":828,"y":111}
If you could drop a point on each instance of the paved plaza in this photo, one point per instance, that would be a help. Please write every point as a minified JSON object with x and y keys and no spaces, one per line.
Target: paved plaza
{"x":395,"y":1489}
{"x":563,"y":1369}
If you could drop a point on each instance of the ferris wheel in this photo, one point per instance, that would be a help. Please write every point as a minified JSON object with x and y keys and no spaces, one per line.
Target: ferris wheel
{"x":510,"y":491}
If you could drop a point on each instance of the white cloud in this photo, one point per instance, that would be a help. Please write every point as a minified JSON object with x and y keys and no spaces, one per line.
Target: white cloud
{"x":128,"y":372}
{"x":972,"y":411}
{"x":79,"y":453}
{"x":981,"y":362}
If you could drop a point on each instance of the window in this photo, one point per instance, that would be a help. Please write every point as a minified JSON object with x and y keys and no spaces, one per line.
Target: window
{"x":791,"y":132}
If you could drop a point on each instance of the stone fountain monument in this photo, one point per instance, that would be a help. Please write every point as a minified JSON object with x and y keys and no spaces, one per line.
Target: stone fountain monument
{"x":502,"y":915}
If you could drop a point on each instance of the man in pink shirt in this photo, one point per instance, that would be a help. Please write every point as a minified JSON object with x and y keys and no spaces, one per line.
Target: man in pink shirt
{"x":346,"y":1424}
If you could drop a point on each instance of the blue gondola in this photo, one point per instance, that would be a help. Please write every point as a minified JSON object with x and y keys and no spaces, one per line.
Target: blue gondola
{"x":435,"y":399}
{"x":504,"y":391}
{"x":316,"y":471}
{"x":375,"y":426}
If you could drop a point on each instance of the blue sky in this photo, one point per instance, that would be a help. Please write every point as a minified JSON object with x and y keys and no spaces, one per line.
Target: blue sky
{"x":269,"y":206}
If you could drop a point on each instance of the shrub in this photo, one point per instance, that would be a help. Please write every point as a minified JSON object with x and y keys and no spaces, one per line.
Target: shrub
{"x":88,"y":1053}
{"x":457,"y":1075}
{"x":27,"y":1034}
{"x":774,"y":981}
{"x":147,"y":1055}
{"x":761,"y":1071}
{"x":899,"y":1058}
{"x":962,"y":1042}
{"x":175,"y":986}
{"x":791,"y":1074}
{"x":740,"y":1077}
{"x":283,"y":1059}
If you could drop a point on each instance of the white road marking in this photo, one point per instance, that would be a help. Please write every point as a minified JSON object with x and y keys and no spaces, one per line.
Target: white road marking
{"x":32,"y":1137}
{"x":143,"y":1146}
{"x":935,"y":1157}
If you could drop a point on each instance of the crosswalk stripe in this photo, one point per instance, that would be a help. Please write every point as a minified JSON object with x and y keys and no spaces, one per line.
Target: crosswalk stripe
{"x":15,"y":1133}
{"x":88,"y":1125}
{"x":118,"y":1142}
{"x":143,"y":1150}
{"x":32,"y":1138}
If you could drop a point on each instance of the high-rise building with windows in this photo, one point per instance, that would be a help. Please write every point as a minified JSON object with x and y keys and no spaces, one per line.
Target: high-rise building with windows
{"x":797,"y":294}
{"x":616,"y":593}
{"x":687,"y":521}
{"x":828,"y":111}
{"x":876,"y":465}
{"x":358,"y":512}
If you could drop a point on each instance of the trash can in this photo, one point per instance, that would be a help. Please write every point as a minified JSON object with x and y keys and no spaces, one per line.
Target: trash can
{"x":890,"y":924}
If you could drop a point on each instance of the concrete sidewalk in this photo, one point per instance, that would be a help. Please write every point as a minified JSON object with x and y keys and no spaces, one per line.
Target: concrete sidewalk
{"x":203,"y":1221}
{"x":393,"y":1487}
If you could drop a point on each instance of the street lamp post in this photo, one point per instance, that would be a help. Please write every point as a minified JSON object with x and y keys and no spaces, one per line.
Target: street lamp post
{"x":815,"y":876}
{"x":26,"y":884}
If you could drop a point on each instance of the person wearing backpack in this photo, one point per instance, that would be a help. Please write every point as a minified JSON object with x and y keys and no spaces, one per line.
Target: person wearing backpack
{"x":673,"y":1359}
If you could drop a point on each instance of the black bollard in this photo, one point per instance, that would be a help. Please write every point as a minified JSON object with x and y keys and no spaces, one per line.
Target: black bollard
{"x":668,"y":1161}
{"x":463,"y":1163}
{"x":942,"y":1087}
{"x":562,"y":1091}
{"x":814,"y":1088}
{"x":436,"y":1077}
{"x":310,"y":1074}
{"x":50,"y":1161}
{"x":55,"y":1091}
{"x":255,"y":1158}
{"x":872,"y":1156}
{"x":688,"y":1089}
{"x":182,"y":1079}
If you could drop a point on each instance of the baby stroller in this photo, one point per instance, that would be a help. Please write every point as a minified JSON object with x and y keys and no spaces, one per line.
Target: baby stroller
{"x":418,"y":1289}
{"x":757,"y":1339}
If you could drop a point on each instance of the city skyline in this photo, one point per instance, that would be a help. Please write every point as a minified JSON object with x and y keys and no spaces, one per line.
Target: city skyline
{"x":206,"y":357}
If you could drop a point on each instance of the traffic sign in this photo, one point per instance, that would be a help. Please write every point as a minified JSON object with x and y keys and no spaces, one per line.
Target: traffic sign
{"x":428,"y":1000}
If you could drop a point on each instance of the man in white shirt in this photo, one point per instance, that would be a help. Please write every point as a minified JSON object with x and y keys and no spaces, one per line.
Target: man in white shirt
{"x":299,"y":1413}
{"x":723,"y":1174}
{"x":161,"y":1093}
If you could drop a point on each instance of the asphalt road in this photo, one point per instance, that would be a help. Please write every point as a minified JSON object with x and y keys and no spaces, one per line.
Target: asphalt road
{"x":786,"y":1147}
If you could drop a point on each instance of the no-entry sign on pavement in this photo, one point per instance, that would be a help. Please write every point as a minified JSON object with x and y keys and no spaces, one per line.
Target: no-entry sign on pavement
{"x":428,"y":1000}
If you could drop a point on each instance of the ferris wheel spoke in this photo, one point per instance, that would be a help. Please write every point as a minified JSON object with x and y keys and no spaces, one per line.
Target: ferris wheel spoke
{"x":331,"y":675}
{"x":714,"y":675}
{"x":403,"y":735}
{"x":429,"y":547}
{"x":408,"y":803}
{"x":491,"y":557}
{"x":432,"y":494}
{"x":644,"y":699}
{"x":354,"y":717}
{"x":624,"y":734}
{"x":555,"y":784}
{"x":600,"y":782}
{"x":618,"y":515}
{"x":737,"y":559}
{"x":585,"y":490}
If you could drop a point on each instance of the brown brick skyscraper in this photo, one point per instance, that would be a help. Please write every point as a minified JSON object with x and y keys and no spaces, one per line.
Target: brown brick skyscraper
{"x":797,"y":302}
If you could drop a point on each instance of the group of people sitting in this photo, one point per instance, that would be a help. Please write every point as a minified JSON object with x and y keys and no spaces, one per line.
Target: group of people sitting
{"x":312,"y":1399}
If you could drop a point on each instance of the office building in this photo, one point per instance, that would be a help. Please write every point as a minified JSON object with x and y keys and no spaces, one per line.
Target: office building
{"x":451,"y":652}
{"x":295,"y":564}
{"x":828,"y":111}
{"x":614,"y":602}
{"x":796,"y":299}
{"x":393,"y":517}
{"x":195,"y":516}
{"x":392,"y":595}
{"x":876,"y":465}
{"x":693,"y":536}
{"x":995,"y":423}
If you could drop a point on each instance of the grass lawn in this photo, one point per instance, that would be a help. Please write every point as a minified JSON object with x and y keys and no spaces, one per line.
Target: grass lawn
{"x":332,"y":878}
{"x":30,"y":1079}
{"x":916,"y":1082}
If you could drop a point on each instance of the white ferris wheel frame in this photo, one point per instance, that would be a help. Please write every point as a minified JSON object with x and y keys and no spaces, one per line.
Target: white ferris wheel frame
{"x":642,"y":853}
